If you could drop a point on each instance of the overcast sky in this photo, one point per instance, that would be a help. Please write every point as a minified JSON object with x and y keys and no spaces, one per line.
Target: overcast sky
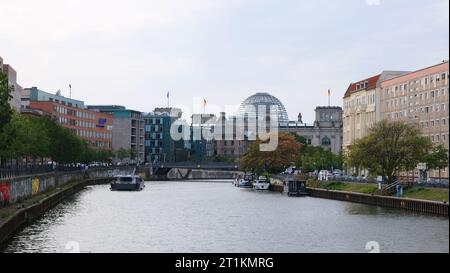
{"x":132,"y":52}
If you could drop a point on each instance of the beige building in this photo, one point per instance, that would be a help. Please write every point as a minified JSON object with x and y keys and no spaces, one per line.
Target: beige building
{"x":361,"y":106}
{"x":12,"y":81}
{"x":420,"y":98}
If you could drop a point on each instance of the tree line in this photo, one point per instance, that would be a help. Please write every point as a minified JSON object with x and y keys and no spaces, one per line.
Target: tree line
{"x":389,"y":149}
{"x":34,"y":140}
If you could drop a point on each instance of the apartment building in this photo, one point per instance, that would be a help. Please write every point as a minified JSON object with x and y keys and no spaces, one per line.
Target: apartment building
{"x":420,"y":98}
{"x":128,"y":129}
{"x":362,"y":106}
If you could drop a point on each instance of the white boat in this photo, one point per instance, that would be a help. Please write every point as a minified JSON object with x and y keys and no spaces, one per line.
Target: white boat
{"x":261,"y":184}
{"x":127,"y":183}
{"x":246,"y":181}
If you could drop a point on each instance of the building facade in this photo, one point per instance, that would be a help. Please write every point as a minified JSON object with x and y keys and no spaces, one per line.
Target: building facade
{"x":128,"y":129}
{"x":11,"y":74}
{"x":93,"y":127}
{"x":362,"y":106}
{"x":228,"y":145}
{"x":159,"y":146}
{"x":326,"y":132}
{"x":201,"y":142}
{"x":35,"y":94}
{"x":420,"y":98}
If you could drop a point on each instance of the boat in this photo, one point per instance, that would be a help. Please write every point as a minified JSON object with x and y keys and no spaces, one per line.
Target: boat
{"x":262,"y":183}
{"x":127,"y":183}
{"x":247,"y":181}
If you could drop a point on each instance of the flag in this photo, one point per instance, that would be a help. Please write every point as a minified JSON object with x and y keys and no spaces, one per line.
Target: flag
{"x":204,"y":102}
{"x":70,"y":86}
{"x":329,"y":92}
{"x":168,"y":94}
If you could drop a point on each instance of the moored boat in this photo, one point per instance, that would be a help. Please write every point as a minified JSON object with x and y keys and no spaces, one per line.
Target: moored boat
{"x":246,"y":181}
{"x":262,"y":183}
{"x":127,"y":183}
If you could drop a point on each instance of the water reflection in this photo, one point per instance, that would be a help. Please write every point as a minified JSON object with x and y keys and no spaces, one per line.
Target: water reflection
{"x":217,"y":217}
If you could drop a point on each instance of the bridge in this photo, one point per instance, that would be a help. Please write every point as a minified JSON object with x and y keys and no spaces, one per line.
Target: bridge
{"x":190,"y":170}
{"x":224,"y":166}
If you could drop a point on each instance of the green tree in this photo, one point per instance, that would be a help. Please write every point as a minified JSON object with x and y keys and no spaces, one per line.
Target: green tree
{"x":122,"y":154}
{"x":5,"y":115}
{"x":132,"y":153}
{"x":5,"y":96}
{"x":388,"y":149}
{"x":437,"y":159}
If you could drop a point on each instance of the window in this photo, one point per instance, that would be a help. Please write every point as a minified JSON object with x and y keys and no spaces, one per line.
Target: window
{"x":326,"y":141}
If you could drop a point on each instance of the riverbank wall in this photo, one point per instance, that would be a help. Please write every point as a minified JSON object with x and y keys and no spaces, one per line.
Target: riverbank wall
{"x":23,"y":216}
{"x":17,"y":189}
{"x":422,"y":206}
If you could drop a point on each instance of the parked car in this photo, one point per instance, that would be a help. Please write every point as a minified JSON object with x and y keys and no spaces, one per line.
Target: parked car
{"x":324,"y":175}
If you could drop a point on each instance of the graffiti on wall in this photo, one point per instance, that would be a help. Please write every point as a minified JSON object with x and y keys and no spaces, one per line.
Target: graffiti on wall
{"x":34,"y":186}
{"x":4,"y":193}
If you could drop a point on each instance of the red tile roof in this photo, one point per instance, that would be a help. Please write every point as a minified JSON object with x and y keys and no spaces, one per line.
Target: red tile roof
{"x":371,"y":84}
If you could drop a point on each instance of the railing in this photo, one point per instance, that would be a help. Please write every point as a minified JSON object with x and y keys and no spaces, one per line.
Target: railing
{"x":196,"y":165}
{"x":15,"y":171}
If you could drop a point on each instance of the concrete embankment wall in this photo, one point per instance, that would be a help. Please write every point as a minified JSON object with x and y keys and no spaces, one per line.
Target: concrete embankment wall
{"x":430,"y":207}
{"x":26,"y":215}
{"x":20,"y":188}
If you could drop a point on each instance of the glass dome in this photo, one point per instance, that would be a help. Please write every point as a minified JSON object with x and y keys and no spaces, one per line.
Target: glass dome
{"x":250,"y":106}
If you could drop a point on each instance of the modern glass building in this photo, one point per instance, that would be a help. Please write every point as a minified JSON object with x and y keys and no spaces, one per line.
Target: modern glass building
{"x":159,"y":146}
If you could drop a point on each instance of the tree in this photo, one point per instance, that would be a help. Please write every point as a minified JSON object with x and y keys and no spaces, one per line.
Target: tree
{"x":122,"y":154}
{"x":302,"y":140}
{"x":388,"y":149}
{"x":286,"y":153}
{"x":132,"y":153}
{"x":5,"y":96}
{"x":5,"y":114}
{"x":437,"y":159}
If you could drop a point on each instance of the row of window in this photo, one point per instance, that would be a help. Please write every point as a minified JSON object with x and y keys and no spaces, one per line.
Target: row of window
{"x":362,"y":100}
{"x":70,"y":112}
{"x":414,"y":100}
{"x":64,"y":103}
{"x":413,"y":85}
{"x":153,"y":128}
{"x":424,"y":110}
{"x":439,"y":138}
{"x":434,"y":123}
{"x":149,"y":121}
{"x":153,"y":143}
{"x":93,"y":134}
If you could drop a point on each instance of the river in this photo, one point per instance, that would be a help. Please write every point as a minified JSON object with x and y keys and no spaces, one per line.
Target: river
{"x":214,"y":216}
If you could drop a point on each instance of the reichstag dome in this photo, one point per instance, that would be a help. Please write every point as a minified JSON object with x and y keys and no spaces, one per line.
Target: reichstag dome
{"x":250,"y":106}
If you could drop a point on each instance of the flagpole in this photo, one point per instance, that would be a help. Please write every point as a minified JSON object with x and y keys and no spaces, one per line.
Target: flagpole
{"x":329,"y":96}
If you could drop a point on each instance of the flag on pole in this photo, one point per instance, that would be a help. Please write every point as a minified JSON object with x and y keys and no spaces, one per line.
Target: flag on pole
{"x":70,"y":86}
{"x":168,"y":95}
{"x":329,"y":96}
{"x":204,"y":102}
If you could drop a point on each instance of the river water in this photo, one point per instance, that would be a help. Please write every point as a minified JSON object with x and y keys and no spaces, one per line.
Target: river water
{"x":214,"y":216}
